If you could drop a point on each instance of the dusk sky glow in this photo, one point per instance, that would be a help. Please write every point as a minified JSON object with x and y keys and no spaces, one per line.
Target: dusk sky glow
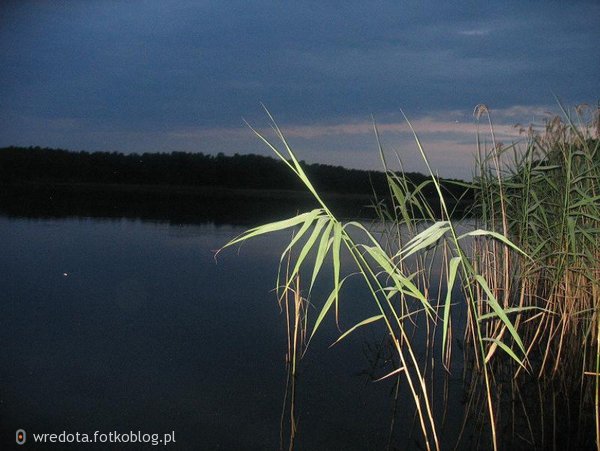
{"x":182,"y":75}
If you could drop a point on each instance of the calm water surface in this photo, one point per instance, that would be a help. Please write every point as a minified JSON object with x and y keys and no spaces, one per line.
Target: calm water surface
{"x":119,"y":325}
{"x":128,"y":325}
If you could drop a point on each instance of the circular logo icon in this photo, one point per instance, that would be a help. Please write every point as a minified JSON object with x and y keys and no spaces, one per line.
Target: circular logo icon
{"x":21,"y":436}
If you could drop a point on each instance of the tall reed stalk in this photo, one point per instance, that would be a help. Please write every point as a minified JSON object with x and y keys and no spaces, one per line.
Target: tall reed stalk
{"x":295,"y":307}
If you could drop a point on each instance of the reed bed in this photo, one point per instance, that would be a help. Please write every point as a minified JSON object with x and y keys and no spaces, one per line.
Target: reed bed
{"x":545,"y":197}
{"x":528,"y":273}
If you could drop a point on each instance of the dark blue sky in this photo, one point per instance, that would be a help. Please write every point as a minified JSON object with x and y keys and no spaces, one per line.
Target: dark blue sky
{"x":180,"y":75}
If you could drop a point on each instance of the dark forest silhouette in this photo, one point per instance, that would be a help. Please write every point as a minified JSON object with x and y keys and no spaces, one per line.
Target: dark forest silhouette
{"x":188,"y":186}
{"x":34,"y":164}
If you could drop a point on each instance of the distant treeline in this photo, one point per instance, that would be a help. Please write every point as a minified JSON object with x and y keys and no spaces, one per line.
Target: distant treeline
{"x":44,"y":165}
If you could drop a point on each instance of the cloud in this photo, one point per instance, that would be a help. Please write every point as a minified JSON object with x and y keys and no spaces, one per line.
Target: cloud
{"x":476,"y":32}
{"x":448,"y":122}
{"x":167,"y":69}
{"x":449,"y":137}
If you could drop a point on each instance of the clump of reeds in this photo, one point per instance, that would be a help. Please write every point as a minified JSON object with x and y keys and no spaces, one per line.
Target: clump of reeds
{"x":546,"y":199}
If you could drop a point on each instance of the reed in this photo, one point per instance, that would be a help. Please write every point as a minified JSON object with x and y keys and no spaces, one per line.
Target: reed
{"x":396,"y":269}
{"x":545,"y":197}
{"x":295,"y":307}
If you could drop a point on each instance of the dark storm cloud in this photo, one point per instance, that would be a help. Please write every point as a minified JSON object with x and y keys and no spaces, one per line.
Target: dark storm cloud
{"x":157,"y":66}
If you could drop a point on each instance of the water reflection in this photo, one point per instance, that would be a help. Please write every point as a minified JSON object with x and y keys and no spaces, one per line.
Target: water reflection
{"x":212,"y":205}
{"x":130,"y":325}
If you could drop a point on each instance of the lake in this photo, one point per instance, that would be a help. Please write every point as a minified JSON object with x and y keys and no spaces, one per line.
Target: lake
{"x":131,"y":325}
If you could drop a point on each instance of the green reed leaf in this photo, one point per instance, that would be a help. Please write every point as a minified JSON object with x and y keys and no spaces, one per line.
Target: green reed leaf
{"x":492,"y":301}
{"x":324,"y":245}
{"x":452,"y":270}
{"x":331,"y":299}
{"x":506,"y":349}
{"x":364,"y":322}
{"x":273,"y":227}
{"x":495,"y":235}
